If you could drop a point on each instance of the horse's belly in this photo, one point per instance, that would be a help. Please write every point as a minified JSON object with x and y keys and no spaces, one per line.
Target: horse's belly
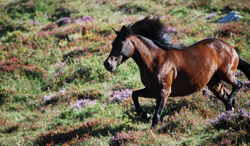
{"x":185,"y":85}
{"x":186,"y":90}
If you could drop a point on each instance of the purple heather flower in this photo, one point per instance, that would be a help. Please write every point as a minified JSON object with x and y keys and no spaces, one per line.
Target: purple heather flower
{"x":48,"y":97}
{"x":238,"y":73}
{"x":84,"y":19}
{"x":84,"y":102}
{"x":247,"y":84}
{"x":230,"y":116}
{"x":35,"y":22}
{"x":230,"y":113}
{"x":241,"y":111}
{"x":64,"y":20}
{"x":118,"y":96}
{"x":61,"y":92}
{"x":171,"y":29}
{"x":207,"y":93}
{"x":121,"y":136}
{"x":16,"y":59}
{"x":87,"y":18}
{"x":21,"y":22}
{"x":60,"y":64}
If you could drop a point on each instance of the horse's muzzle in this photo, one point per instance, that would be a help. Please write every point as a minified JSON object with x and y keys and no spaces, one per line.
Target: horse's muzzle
{"x":109,"y":66}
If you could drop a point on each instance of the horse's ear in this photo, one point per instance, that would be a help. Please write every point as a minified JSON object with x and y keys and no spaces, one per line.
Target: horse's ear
{"x":126,"y":31}
{"x":114,"y":30}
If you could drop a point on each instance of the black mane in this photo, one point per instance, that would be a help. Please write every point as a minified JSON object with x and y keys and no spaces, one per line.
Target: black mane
{"x":155,"y":30}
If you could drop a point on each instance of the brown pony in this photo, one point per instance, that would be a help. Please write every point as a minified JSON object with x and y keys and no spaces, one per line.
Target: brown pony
{"x":174,"y":70}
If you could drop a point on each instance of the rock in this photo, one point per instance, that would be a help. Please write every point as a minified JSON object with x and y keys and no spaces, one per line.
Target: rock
{"x":232,"y":16}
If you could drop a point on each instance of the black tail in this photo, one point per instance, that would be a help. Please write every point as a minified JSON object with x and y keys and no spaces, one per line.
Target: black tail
{"x":244,"y":67}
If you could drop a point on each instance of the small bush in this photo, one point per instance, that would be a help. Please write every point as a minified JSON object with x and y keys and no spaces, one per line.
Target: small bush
{"x":14,"y":37}
{"x":237,"y":121}
{"x":50,"y":26}
{"x":234,"y":28}
{"x":14,"y":65}
{"x":61,"y":135}
{"x":134,"y":7}
{"x":79,"y":73}
{"x":34,"y":71}
{"x":123,"y":138}
{"x":120,"y":96}
{"x":63,"y":31}
{"x":182,"y":122}
{"x":60,"y":12}
{"x":202,"y":4}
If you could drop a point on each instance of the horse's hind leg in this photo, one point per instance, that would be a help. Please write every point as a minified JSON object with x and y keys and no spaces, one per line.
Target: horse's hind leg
{"x":236,"y":85}
{"x":216,"y":86}
{"x":230,"y":98}
{"x":228,"y":76}
{"x":141,"y":93}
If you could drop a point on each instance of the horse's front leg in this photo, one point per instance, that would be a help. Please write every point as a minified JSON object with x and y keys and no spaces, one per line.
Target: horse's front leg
{"x":162,"y":95}
{"x":141,"y":93}
{"x":160,"y":103}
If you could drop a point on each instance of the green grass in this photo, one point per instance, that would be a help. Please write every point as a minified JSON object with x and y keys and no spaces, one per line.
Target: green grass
{"x":44,"y":73}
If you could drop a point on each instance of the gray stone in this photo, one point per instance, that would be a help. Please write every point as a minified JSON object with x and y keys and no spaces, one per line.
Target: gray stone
{"x":232,"y":16}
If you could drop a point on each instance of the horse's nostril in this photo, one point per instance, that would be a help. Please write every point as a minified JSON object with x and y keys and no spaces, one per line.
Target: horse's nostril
{"x":107,"y":64}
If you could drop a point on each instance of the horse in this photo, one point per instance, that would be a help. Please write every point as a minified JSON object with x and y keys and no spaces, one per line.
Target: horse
{"x":170,"y":70}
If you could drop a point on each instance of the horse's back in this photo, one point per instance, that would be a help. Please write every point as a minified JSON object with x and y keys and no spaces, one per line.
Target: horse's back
{"x":212,"y":50}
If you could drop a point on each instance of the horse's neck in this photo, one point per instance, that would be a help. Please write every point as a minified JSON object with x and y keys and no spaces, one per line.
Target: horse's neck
{"x":143,"y":54}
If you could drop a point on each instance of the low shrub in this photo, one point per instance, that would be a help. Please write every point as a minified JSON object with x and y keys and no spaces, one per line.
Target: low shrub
{"x":234,"y":28}
{"x":60,"y":135}
{"x":183,"y":122}
{"x":63,"y":31}
{"x":120,"y":96}
{"x":15,"y":65}
{"x":237,"y":121}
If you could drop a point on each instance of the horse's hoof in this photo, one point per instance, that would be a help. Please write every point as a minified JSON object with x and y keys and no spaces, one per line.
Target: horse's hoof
{"x":232,"y":109}
{"x":146,"y":115}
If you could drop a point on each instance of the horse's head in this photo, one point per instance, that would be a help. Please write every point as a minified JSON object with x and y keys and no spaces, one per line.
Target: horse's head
{"x":122,"y":49}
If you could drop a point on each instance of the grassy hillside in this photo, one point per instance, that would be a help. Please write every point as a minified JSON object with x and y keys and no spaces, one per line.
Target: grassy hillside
{"x":54,"y":89}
